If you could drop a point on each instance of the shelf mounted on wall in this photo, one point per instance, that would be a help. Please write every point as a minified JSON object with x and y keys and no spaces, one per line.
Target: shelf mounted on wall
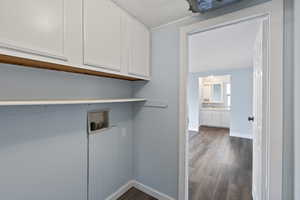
{"x":68,"y":102}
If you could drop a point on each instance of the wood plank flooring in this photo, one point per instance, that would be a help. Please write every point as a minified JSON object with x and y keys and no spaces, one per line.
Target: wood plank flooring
{"x":135,"y":194}
{"x":220,"y":166}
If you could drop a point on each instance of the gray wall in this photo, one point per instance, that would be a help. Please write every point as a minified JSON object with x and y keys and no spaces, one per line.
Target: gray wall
{"x":241,"y":97}
{"x":156,"y":143}
{"x":111,"y":153}
{"x":26,"y":83}
{"x":43,"y":149}
{"x":297,"y":100}
{"x":288,"y":140}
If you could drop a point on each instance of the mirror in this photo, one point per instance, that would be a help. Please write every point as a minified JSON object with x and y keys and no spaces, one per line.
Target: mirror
{"x":216,"y":93}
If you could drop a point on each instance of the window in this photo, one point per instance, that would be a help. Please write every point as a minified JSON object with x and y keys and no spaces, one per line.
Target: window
{"x":228,"y":94}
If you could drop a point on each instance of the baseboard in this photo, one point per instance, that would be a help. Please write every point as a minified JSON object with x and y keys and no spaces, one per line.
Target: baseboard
{"x":152,"y":192}
{"x":121,"y":190}
{"x":146,"y":189}
{"x":193,"y":130}
{"x":254,"y":195}
{"x":239,"y":135}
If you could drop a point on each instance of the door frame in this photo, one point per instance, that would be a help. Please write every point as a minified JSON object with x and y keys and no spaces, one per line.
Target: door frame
{"x":273,"y":98}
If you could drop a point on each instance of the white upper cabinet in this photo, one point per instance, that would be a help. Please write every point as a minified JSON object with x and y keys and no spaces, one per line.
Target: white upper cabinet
{"x":102,"y":34}
{"x":140,"y":52}
{"x":33,"y":27}
{"x":85,"y":36}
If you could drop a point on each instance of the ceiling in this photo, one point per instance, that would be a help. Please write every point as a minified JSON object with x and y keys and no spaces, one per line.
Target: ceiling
{"x":228,"y":47}
{"x":154,"y":13}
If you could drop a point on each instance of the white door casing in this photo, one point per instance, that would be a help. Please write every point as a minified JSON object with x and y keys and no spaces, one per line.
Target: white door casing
{"x":257,"y":114}
{"x":272,"y":93}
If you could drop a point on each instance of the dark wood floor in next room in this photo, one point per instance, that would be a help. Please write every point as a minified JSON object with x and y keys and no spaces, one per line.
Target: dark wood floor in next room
{"x":135,"y":194}
{"x":220,"y":166}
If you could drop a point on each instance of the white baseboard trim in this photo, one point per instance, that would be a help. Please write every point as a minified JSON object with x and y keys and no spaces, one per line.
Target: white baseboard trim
{"x":239,"y":135}
{"x":121,"y":190}
{"x":254,"y":195}
{"x":152,"y":192}
{"x":193,"y":130}
{"x":146,"y":189}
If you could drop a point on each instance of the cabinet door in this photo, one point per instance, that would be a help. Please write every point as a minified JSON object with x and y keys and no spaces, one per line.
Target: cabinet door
{"x":216,"y":118}
{"x":102,"y":34}
{"x":222,"y":118}
{"x":210,"y":116}
{"x":203,"y":118}
{"x":140,"y":41}
{"x":227,"y":119}
{"x":33,"y":28}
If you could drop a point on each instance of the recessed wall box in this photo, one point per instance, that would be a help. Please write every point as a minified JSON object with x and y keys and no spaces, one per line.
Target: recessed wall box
{"x":97,"y":121}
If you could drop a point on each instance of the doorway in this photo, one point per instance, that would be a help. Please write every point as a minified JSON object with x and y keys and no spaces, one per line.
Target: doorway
{"x":268,"y":175}
{"x":221,"y":64}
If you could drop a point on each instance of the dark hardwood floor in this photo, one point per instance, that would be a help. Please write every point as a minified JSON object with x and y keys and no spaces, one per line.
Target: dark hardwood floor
{"x":220,"y":166}
{"x":135,"y":194}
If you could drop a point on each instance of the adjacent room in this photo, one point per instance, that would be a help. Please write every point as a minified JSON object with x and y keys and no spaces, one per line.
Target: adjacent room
{"x":220,"y":98}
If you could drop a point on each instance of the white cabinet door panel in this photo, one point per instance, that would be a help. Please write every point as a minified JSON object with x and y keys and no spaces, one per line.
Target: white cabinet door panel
{"x":215,"y":118}
{"x":102,"y":34}
{"x":210,"y":115}
{"x":140,"y":59}
{"x":212,"y":118}
{"x":203,"y":118}
{"x":226,"y":119}
{"x":218,"y":119}
{"x":34,"y":27}
{"x":126,"y":42}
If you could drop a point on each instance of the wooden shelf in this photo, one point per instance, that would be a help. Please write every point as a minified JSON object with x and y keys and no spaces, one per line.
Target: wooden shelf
{"x":67,"y":102}
{"x":25,"y":62}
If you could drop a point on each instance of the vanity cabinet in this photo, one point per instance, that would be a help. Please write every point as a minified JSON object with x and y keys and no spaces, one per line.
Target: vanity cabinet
{"x":81,"y":36}
{"x":215,"y":118}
